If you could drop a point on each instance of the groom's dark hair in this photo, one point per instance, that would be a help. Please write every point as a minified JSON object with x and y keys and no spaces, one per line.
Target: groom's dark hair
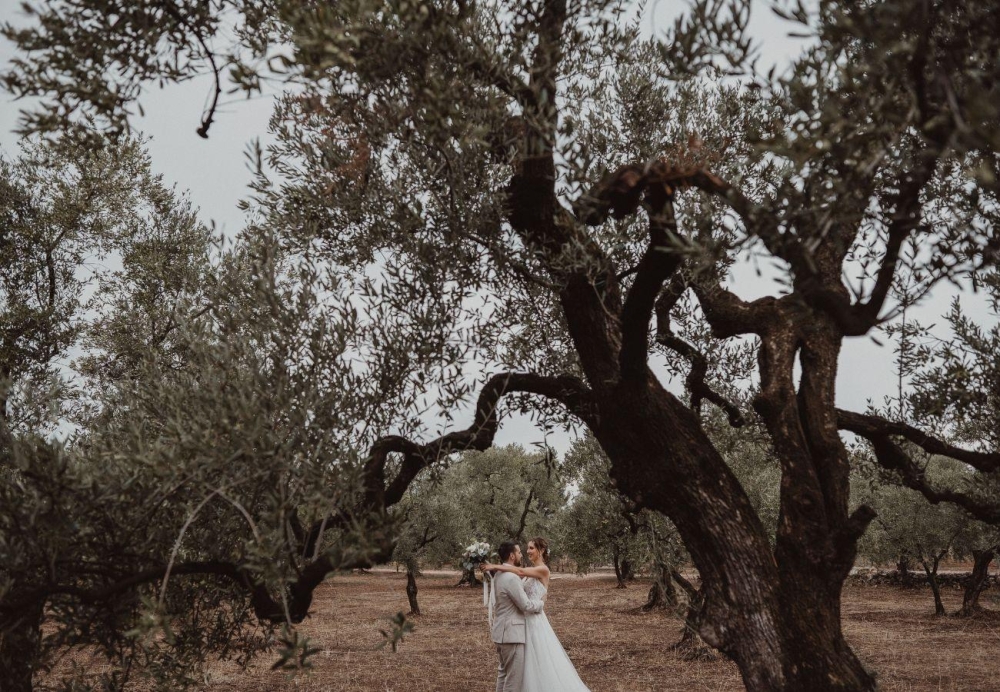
{"x":505,"y":550}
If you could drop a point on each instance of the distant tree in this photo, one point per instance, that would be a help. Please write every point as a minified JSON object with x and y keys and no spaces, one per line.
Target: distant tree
{"x":502,"y":494}
{"x":508,"y":493}
{"x":598,"y":527}
{"x":907,"y":528}
{"x":981,"y":542}
{"x":424,"y":520}
{"x":908,"y":525}
{"x":432,"y":523}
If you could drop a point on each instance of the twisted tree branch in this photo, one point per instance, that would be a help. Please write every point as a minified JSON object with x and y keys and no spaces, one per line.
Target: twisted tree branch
{"x":695,"y":382}
{"x":659,"y":262}
{"x":858,"y":319}
{"x":729,"y":315}
{"x":568,"y":390}
{"x":620,"y":193}
{"x":891,"y":456}
{"x":870,"y":427}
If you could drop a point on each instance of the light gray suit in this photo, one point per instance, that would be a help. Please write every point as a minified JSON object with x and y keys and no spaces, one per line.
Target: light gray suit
{"x":508,"y":629}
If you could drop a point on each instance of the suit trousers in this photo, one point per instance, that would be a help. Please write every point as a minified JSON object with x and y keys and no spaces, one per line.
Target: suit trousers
{"x":510,"y":673}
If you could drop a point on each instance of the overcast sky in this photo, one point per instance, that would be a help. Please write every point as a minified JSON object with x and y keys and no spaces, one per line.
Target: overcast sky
{"x":214,"y":173}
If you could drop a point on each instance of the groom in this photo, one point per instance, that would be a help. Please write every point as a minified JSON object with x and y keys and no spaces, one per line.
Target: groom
{"x":508,"y":621}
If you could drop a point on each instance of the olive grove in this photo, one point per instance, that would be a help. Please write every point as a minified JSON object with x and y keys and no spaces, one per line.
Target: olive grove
{"x":516,"y":203}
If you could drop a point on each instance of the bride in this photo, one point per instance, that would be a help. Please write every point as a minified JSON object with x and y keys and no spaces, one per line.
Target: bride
{"x":547,"y":668}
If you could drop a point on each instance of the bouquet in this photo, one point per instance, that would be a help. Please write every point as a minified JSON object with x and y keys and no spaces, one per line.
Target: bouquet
{"x":475,"y":555}
{"x":472,"y":557}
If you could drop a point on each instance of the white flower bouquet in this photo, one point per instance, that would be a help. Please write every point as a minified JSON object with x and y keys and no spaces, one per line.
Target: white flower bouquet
{"x":476,"y":554}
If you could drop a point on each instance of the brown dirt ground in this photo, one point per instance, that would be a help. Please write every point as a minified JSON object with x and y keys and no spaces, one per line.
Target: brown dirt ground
{"x":616,"y":647}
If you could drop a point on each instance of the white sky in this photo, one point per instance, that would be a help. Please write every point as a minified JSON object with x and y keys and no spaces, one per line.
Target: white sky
{"x":214,"y":173}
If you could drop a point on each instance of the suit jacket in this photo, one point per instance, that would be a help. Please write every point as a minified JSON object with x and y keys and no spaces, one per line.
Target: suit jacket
{"x":511,"y":605}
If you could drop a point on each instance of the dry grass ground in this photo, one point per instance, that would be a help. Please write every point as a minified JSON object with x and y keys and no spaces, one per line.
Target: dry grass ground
{"x":615,"y":647}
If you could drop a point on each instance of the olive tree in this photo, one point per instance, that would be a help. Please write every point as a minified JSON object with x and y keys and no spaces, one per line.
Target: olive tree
{"x":476,"y":163}
{"x":68,"y":213}
{"x":957,"y":388}
{"x":521,"y":188}
{"x":427,"y":518}
{"x":190,"y":515}
{"x":64,"y":209}
{"x":908,"y":525}
{"x":181,"y":518}
{"x":597,"y":526}
{"x":981,"y":542}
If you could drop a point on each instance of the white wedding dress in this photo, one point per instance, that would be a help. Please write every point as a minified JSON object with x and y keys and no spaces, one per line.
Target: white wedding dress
{"x":547,"y":668}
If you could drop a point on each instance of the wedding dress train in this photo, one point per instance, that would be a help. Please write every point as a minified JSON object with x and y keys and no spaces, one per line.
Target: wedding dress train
{"x":547,"y":668}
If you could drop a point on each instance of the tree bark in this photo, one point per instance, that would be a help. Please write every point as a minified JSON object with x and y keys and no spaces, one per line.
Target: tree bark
{"x":469,"y":577}
{"x":662,"y":593}
{"x":931,"y":569}
{"x":691,"y":646}
{"x":20,"y":648}
{"x":903,"y":569}
{"x":411,"y":589}
{"x":775,"y":612}
{"x":628,"y":573}
{"x":616,"y":561}
{"x":977,"y":581}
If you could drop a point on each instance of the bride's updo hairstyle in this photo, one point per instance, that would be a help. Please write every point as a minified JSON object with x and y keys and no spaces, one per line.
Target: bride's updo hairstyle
{"x":542,"y":546}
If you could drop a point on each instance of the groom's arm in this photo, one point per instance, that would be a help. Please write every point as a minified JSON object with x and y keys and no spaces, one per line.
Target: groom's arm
{"x":521,"y":600}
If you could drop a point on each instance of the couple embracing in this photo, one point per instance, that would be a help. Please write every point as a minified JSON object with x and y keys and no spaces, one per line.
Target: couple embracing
{"x":531,"y":657}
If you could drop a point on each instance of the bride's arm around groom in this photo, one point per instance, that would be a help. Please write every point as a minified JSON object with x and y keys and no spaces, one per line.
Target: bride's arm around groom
{"x":511,"y":605}
{"x":508,"y":629}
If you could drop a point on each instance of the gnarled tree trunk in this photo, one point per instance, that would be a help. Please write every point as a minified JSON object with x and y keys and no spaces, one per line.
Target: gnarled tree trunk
{"x":411,"y":589}
{"x":977,"y":581}
{"x":781,"y":626}
{"x":931,"y":569}
{"x":662,"y":593}
{"x":903,"y":570}
{"x":691,"y":646}
{"x":775,"y":612}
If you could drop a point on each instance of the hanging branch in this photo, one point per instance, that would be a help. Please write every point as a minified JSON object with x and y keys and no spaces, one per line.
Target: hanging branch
{"x":695,"y":382}
{"x":209,"y":115}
